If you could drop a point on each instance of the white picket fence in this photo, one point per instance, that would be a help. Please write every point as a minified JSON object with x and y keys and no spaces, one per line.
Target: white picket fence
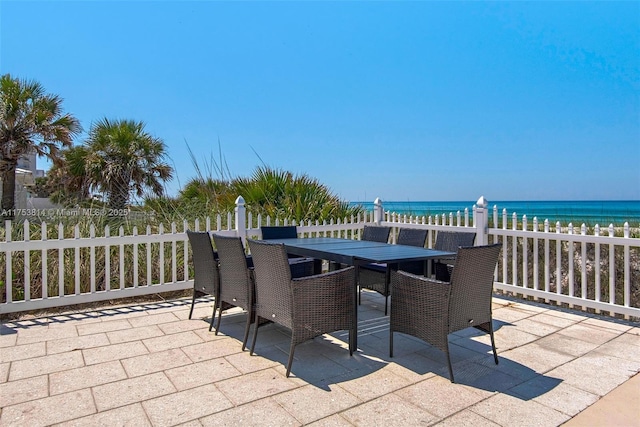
{"x":50,"y":272}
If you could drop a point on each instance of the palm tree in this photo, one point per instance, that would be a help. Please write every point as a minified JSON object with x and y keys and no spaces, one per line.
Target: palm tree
{"x":67,"y":179}
{"x":122,"y":158}
{"x":280,"y":193}
{"x":30,"y":121}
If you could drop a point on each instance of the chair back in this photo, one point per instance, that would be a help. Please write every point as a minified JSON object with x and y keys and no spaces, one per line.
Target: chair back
{"x":280,"y":232}
{"x":205,"y":265}
{"x":412,"y":237}
{"x":274,"y":297}
{"x":472,"y":286}
{"x":235,"y":278}
{"x":376,"y":233}
{"x":450,"y":241}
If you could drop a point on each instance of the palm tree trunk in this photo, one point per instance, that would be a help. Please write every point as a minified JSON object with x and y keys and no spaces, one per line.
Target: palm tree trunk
{"x":8,"y":176}
{"x":118,"y":198}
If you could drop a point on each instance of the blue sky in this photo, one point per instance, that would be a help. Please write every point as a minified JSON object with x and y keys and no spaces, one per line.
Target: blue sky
{"x":405,"y":101}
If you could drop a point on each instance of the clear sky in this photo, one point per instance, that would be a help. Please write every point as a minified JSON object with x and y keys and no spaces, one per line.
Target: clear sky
{"x":405,"y":101}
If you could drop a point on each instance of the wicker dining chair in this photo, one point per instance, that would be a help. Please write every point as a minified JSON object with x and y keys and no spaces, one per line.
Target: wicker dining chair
{"x":374,"y":233}
{"x":450,"y":241}
{"x":300,"y":266}
{"x":431,"y":310}
{"x":279,"y":232}
{"x":374,"y":276}
{"x":236,"y":280}
{"x":206,"y":280}
{"x":309,"y":306}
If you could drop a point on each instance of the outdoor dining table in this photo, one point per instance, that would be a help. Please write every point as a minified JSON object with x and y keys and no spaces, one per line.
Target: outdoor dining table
{"x":358,"y":253}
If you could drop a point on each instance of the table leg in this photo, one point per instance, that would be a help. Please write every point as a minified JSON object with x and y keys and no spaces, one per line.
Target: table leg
{"x":353,"y":334}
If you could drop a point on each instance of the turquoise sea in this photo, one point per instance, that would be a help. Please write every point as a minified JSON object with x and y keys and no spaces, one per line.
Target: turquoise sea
{"x":590,"y":212}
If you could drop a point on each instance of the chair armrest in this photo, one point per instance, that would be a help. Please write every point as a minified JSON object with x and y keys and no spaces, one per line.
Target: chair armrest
{"x":332,"y":289}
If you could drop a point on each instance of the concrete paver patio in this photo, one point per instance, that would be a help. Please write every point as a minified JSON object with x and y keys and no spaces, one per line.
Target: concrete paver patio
{"x":148,"y":365}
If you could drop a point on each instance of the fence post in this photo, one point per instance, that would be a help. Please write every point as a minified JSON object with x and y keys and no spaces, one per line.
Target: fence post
{"x":378,"y":211}
{"x":482,"y":222}
{"x":241,"y":224}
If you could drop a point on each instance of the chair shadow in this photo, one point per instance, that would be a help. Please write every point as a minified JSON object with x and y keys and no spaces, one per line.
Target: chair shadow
{"x":322,"y":361}
{"x":473,"y":364}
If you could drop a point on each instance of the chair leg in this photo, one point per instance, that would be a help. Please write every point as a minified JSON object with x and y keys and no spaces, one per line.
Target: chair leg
{"x":246,"y":331}
{"x":255,"y":334}
{"x":213,"y":315}
{"x":390,"y":342}
{"x":193,"y":302}
{"x":449,"y":363}
{"x":290,"y":362}
{"x":219,"y":317}
{"x":386,"y":303}
{"x":359,"y":295}
{"x":493,"y":344}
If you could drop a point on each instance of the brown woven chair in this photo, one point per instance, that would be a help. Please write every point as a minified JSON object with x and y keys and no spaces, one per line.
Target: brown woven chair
{"x":375,"y":276}
{"x":236,"y":280}
{"x":206,"y":279}
{"x":431,"y":310}
{"x":309,"y":306}
{"x":450,"y":241}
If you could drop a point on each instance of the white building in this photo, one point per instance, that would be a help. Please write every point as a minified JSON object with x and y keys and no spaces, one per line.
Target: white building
{"x":26,"y":174}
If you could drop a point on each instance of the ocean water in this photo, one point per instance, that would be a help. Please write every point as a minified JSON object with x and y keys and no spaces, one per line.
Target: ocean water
{"x":589,"y":212}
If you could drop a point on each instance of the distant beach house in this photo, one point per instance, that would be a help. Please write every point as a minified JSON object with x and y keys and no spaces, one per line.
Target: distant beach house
{"x":26,"y":174}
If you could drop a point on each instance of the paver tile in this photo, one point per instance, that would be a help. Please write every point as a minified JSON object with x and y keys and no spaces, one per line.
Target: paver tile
{"x":211,"y":349}
{"x":566,"y":345}
{"x":85,"y":377}
{"x":23,"y":390}
{"x":183,"y":326}
{"x":141,"y":333}
{"x":254,"y":386}
{"x":155,"y":362}
{"x":45,"y":365}
{"x":131,"y":415}
{"x":166,"y":342}
{"x":153,"y":319}
{"x":440,"y":397}
{"x":590,"y":334}
{"x":610,"y":324}
{"x":535,"y":357}
{"x":8,"y":338}
{"x":186,"y":405}
{"x":76,"y":343}
{"x":310,"y":403}
{"x":535,"y":327}
{"x":201,"y":373}
{"x":261,"y":413}
{"x":96,"y":355}
{"x":26,"y":351}
{"x":621,"y":347}
{"x":102,"y":327}
{"x":596,"y":373}
{"x":45,"y":412}
{"x":466,"y":418}
{"x":508,"y":410}
{"x":44,"y":333}
{"x":369,"y":385}
{"x":555,"y":394}
{"x":132,"y":390}
{"x":246,"y":363}
{"x":550,"y":319}
{"x":335,"y":420}
{"x":388,"y":410}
